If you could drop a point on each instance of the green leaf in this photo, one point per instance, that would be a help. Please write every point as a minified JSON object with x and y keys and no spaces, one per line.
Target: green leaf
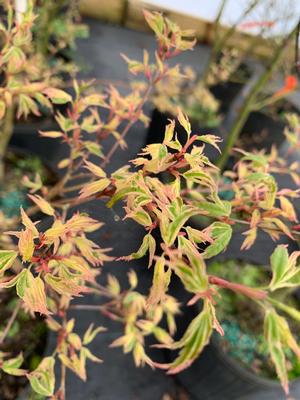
{"x":125,"y":192}
{"x":91,"y":333}
{"x":26,"y":106}
{"x":57,"y":96}
{"x":184,"y":122}
{"x":42,"y":380}
{"x":193,"y":276}
{"x":269,"y":181}
{"x":220,"y":209}
{"x":221,"y":233}
{"x":141,"y":217}
{"x":93,"y":148}
{"x":211,"y":139}
{"x":273,"y":338}
{"x":257,"y":159}
{"x":66,"y":124}
{"x":169,"y":132}
{"x":160,"y":283}
{"x":155,"y":21}
{"x":12,"y":366}
{"x":197,"y":175}
{"x":162,"y":152}
{"x":162,"y":335}
{"x":292,"y":312}
{"x":293,"y":280}
{"x":13,"y":281}
{"x":22,"y":283}
{"x":147,"y":244}
{"x":193,"y":341}
{"x":7,"y":258}
{"x":279,"y":264}
{"x":175,"y":226}
{"x":34,"y":295}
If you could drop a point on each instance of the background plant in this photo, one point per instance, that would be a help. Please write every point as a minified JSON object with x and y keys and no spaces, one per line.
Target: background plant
{"x":225,"y":63}
{"x":27,"y":82}
{"x":56,"y":29}
{"x":191,"y":92}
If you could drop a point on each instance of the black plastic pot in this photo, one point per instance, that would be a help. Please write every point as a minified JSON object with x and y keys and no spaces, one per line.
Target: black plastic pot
{"x":26,"y":136}
{"x":262,"y":131}
{"x":215,"y":375}
{"x":225,"y":93}
{"x":26,"y":132}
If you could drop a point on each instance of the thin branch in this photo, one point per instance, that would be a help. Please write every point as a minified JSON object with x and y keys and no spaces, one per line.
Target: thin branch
{"x":86,"y":307}
{"x":102,"y":309}
{"x":128,"y":126}
{"x":237,"y":287}
{"x":10,"y":322}
{"x":62,"y":388}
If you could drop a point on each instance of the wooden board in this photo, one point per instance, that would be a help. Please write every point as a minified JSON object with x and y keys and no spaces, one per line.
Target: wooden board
{"x":107,"y":10}
{"x":130,"y":14}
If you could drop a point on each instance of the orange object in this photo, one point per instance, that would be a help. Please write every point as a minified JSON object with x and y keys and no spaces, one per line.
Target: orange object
{"x":290,"y":84}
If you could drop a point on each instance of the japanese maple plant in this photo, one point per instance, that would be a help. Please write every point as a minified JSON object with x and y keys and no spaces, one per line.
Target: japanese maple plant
{"x":51,"y":266}
{"x":30,"y":82}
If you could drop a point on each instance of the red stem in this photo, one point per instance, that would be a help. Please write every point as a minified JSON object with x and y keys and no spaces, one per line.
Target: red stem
{"x":237,"y":287}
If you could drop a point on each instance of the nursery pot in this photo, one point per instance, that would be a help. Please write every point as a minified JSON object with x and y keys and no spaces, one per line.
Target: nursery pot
{"x":26,"y":133}
{"x":262,"y":130}
{"x":225,"y":93}
{"x":215,"y":374}
{"x":26,"y":136}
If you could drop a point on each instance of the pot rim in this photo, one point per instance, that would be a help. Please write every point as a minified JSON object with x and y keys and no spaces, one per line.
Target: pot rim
{"x":247,"y":373}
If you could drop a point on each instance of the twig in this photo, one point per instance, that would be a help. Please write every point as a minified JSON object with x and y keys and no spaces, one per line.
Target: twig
{"x":89,"y":307}
{"x":237,"y":287}
{"x":102,"y":309}
{"x":127,"y":127}
{"x":10,"y":322}
{"x":62,"y":388}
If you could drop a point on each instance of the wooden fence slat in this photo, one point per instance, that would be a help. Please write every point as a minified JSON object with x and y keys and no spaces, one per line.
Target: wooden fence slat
{"x":107,"y":10}
{"x":129,"y":13}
